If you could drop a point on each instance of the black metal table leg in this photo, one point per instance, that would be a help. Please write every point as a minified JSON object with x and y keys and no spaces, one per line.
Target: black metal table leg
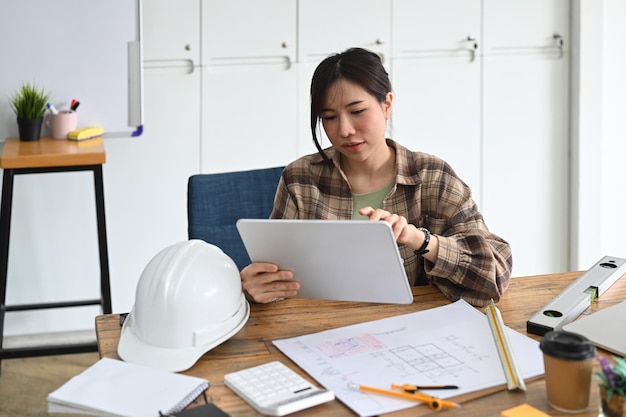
{"x":105,"y":288}
{"x":5,"y":231}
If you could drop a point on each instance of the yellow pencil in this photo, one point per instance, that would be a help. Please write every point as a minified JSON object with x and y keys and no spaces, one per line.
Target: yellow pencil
{"x":433,"y":402}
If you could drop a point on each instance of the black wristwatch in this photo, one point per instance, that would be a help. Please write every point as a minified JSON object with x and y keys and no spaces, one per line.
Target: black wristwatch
{"x":422,"y":250}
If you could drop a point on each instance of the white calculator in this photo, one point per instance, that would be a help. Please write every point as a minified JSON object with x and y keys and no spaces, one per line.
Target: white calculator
{"x":275,"y":390}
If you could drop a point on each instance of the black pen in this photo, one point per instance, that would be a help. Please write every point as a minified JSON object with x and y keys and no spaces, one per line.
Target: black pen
{"x":422,"y":387}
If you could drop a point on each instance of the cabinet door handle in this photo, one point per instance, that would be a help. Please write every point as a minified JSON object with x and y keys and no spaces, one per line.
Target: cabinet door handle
{"x":473,"y":47}
{"x":379,"y":41}
{"x":558,"y":40}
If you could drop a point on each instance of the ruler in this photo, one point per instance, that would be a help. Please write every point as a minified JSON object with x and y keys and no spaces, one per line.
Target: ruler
{"x":513,"y":376}
{"x":574,"y":299}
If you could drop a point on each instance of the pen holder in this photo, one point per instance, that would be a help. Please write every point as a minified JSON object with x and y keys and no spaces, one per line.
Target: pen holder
{"x":62,"y":123}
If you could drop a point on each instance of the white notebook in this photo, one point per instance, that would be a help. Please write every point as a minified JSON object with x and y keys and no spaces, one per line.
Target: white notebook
{"x":115,"y":388}
{"x":604,"y":328}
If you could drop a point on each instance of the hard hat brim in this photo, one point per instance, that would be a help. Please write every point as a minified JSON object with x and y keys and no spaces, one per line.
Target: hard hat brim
{"x":133,"y":349}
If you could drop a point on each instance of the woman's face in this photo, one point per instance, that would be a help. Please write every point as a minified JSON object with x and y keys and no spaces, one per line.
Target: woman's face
{"x":355,"y":121}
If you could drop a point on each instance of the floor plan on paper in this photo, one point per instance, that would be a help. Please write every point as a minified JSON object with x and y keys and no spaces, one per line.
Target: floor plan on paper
{"x":449,"y":345}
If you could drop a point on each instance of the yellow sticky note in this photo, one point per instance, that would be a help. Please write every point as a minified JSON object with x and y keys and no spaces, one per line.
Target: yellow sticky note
{"x":523,"y":410}
{"x":85,"y":133}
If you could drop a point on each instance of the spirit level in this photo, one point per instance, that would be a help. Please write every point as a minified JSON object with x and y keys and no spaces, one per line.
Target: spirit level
{"x":574,"y":299}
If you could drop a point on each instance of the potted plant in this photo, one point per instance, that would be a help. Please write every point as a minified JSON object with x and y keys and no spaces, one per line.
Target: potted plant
{"x":612,"y":378}
{"x":29,"y":104}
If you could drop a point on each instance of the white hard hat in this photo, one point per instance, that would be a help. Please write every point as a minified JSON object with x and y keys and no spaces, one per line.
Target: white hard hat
{"x":188,"y":300}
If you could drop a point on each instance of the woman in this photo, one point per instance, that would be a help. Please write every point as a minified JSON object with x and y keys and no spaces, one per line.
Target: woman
{"x":440,"y":232}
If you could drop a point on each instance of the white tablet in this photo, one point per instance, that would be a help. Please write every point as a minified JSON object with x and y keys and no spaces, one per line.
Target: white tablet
{"x":602,"y":328}
{"x":344,"y":260}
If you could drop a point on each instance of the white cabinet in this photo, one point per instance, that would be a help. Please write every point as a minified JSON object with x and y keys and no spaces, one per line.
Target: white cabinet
{"x":482,"y":84}
{"x":526,"y":160}
{"x":431,"y":115}
{"x":248,"y":84}
{"x":488,"y":91}
{"x":171,"y":31}
{"x":331,"y":26}
{"x":527,"y":26}
{"x":327,"y":27}
{"x":248,"y":117}
{"x":436,"y":78}
{"x":442,"y":27}
{"x":525,"y":130}
{"x":238,"y":29}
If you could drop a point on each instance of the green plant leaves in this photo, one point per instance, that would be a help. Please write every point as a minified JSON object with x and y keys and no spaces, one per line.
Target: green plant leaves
{"x":29,"y":101}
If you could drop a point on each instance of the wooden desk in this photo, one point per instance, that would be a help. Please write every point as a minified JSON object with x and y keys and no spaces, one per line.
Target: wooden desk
{"x":48,"y":152}
{"x":44,"y":156}
{"x":290,"y":318}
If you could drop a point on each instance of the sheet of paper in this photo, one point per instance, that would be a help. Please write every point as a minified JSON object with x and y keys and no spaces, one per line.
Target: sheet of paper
{"x":450,"y":345}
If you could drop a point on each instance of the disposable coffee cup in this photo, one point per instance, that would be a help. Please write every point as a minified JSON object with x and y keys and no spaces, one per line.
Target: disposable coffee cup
{"x":568,"y":361}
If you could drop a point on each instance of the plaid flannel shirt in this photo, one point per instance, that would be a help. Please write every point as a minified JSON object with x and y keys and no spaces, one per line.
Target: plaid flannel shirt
{"x":473,"y":263}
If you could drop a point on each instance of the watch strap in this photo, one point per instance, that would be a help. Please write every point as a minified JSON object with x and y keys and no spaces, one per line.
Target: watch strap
{"x":422,"y":250}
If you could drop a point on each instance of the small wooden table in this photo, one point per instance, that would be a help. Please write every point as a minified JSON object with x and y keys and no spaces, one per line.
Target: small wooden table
{"x":44,"y":156}
{"x":252,"y":345}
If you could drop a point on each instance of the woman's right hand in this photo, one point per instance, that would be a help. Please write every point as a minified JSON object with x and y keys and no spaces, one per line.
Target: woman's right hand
{"x":265,"y":283}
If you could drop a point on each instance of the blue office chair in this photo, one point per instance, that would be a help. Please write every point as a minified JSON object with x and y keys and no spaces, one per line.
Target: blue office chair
{"x":216,"y":201}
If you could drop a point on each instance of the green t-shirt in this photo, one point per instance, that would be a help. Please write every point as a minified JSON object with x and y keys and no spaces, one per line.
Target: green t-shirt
{"x":373,"y":199}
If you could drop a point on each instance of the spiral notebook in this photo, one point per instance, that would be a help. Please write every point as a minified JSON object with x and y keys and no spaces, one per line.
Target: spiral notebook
{"x":115,"y":388}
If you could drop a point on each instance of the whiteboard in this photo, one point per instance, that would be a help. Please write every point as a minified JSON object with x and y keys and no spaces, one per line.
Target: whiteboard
{"x":88,"y":50}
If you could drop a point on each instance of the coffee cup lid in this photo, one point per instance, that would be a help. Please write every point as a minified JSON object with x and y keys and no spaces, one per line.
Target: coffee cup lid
{"x":567,"y":346}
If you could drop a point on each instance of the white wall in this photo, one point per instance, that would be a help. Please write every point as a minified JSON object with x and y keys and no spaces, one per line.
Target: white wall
{"x":598,"y":133}
{"x":614,"y":128}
